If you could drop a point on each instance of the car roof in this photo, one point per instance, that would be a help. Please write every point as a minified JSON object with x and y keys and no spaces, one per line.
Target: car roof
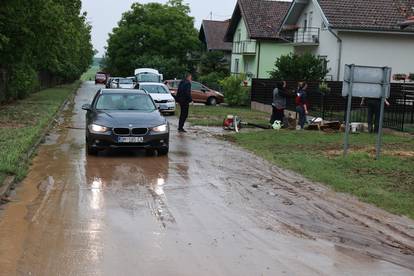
{"x":152,"y":83}
{"x":123,"y":91}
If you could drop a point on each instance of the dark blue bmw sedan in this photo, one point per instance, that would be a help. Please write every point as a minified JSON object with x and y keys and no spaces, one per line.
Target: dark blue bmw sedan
{"x":125,"y":118}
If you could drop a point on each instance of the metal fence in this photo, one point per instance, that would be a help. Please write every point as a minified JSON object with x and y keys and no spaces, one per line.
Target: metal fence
{"x":331,"y":106}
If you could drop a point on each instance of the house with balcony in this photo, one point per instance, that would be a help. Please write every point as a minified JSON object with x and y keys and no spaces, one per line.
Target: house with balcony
{"x":254,"y":34}
{"x":212,"y":35}
{"x":359,"y":32}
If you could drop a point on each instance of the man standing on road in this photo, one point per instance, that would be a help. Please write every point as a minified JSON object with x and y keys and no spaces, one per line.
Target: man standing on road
{"x":184,"y":99}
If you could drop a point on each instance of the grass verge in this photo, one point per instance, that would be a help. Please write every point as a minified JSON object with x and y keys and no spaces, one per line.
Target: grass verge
{"x":90,"y":74}
{"x":387,"y":183}
{"x":214,"y":115}
{"x":22,"y":124}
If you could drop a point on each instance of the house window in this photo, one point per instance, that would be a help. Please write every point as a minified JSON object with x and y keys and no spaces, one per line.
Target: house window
{"x":236,"y":65}
{"x":246,"y":68}
{"x":324,"y":60}
{"x":305,"y":22}
{"x":310,"y":19}
{"x":238,"y":36}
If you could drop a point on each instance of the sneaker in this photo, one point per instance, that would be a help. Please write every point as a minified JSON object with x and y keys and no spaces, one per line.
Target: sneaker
{"x":182,"y":130}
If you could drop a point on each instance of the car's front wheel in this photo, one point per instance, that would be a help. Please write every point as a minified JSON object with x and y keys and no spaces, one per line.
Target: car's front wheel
{"x":163,"y":151}
{"x":89,"y":149}
{"x":212,"y":101}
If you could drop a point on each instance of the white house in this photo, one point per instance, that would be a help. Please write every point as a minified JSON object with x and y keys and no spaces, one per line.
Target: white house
{"x":362,"y":32}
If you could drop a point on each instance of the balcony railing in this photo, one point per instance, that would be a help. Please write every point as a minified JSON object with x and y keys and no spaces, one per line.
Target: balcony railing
{"x":245,"y":47}
{"x":307,"y":36}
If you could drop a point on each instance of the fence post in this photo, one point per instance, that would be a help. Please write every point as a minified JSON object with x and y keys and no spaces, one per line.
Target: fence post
{"x":323,"y":106}
{"x":412,"y":109}
{"x":404,"y":110}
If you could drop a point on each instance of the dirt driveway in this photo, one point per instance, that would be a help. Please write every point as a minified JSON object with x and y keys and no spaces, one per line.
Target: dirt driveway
{"x":208,"y":209}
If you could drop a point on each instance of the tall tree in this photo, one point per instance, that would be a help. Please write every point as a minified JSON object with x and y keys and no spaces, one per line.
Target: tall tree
{"x":42,"y":40}
{"x":165,"y":31}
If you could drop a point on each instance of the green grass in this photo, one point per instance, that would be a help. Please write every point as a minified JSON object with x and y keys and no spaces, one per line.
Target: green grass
{"x":90,"y":74}
{"x":22,"y":124}
{"x":387,"y":183}
{"x":214,"y":115}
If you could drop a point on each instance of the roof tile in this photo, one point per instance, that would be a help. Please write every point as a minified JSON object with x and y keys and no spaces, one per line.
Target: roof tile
{"x":214,"y":32}
{"x":378,"y":15}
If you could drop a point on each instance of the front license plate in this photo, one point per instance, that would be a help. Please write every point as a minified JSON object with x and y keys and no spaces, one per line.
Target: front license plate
{"x":130,"y":139}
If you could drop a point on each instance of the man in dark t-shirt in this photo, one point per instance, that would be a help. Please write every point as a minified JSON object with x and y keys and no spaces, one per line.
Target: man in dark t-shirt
{"x":184,"y":99}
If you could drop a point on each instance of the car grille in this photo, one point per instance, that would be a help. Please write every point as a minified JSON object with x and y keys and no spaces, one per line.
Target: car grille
{"x":163,"y":101}
{"x":139,"y":131}
{"x":121,"y":131}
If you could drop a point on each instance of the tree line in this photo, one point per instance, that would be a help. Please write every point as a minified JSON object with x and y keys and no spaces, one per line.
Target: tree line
{"x":42,"y":43}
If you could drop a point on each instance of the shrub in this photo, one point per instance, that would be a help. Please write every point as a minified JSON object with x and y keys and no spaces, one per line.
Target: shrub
{"x":306,"y":67}
{"x":22,"y":82}
{"x":411,"y":76}
{"x":212,"y":80}
{"x":214,"y":62}
{"x":234,"y":92}
{"x":324,"y":88}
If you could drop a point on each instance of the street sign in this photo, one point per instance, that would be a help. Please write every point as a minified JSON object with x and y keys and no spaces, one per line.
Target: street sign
{"x":366,"y":82}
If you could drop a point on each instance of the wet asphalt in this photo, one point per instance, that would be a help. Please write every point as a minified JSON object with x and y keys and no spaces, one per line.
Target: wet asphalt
{"x":209,"y":208}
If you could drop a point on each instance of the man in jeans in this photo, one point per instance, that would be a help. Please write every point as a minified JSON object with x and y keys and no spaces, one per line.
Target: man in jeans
{"x":302,"y":104}
{"x":184,"y":99}
{"x":374,"y":112}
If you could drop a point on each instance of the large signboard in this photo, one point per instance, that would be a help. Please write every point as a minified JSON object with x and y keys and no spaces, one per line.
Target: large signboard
{"x":366,"y":81}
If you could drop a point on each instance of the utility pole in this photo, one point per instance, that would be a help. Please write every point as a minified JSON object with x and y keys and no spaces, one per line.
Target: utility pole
{"x":211,"y":15}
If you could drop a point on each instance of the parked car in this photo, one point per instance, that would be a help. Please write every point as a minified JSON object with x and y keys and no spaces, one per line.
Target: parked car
{"x":160,"y":94}
{"x":108,"y":82}
{"x":199,"y":92}
{"x":125,"y":118}
{"x":101,"y":78}
{"x":122,"y":83}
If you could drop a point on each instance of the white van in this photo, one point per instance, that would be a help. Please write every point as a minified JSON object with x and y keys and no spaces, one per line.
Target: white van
{"x":148,"y":75}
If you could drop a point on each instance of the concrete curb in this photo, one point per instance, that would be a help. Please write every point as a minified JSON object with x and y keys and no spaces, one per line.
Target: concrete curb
{"x":10,"y":181}
{"x":6,"y":186}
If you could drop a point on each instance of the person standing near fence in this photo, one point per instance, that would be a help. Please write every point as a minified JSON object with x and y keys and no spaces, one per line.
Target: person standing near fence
{"x":302,"y":104}
{"x":374,"y":113}
{"x":279,"y":102}
{"x":184,"y":98}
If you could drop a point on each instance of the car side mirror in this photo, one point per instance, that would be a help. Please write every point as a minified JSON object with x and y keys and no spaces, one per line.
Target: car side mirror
{"x":203,"y":90}
{"x":87,"y":107}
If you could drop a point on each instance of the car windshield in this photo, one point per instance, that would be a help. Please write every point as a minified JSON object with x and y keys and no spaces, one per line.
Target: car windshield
{"x":125,"y":81}
{"x":148,"y":77}
{"x":141,"y":102}
{"x":154,"y":89}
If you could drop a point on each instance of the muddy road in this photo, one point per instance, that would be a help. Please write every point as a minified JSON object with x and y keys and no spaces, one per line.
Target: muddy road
{"x":208,"y":208}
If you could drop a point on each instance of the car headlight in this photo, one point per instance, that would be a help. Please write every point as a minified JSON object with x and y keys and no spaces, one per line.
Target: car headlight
{"x":219,"y":94}
{"x":97,"y":128}
{"x":160,"y":129}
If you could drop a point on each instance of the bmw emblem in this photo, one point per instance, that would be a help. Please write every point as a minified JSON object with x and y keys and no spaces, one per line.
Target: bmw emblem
{"x":130,"y":125}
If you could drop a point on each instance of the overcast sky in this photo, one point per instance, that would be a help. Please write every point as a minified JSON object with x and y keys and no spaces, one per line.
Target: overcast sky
{"x":105,"y":14}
